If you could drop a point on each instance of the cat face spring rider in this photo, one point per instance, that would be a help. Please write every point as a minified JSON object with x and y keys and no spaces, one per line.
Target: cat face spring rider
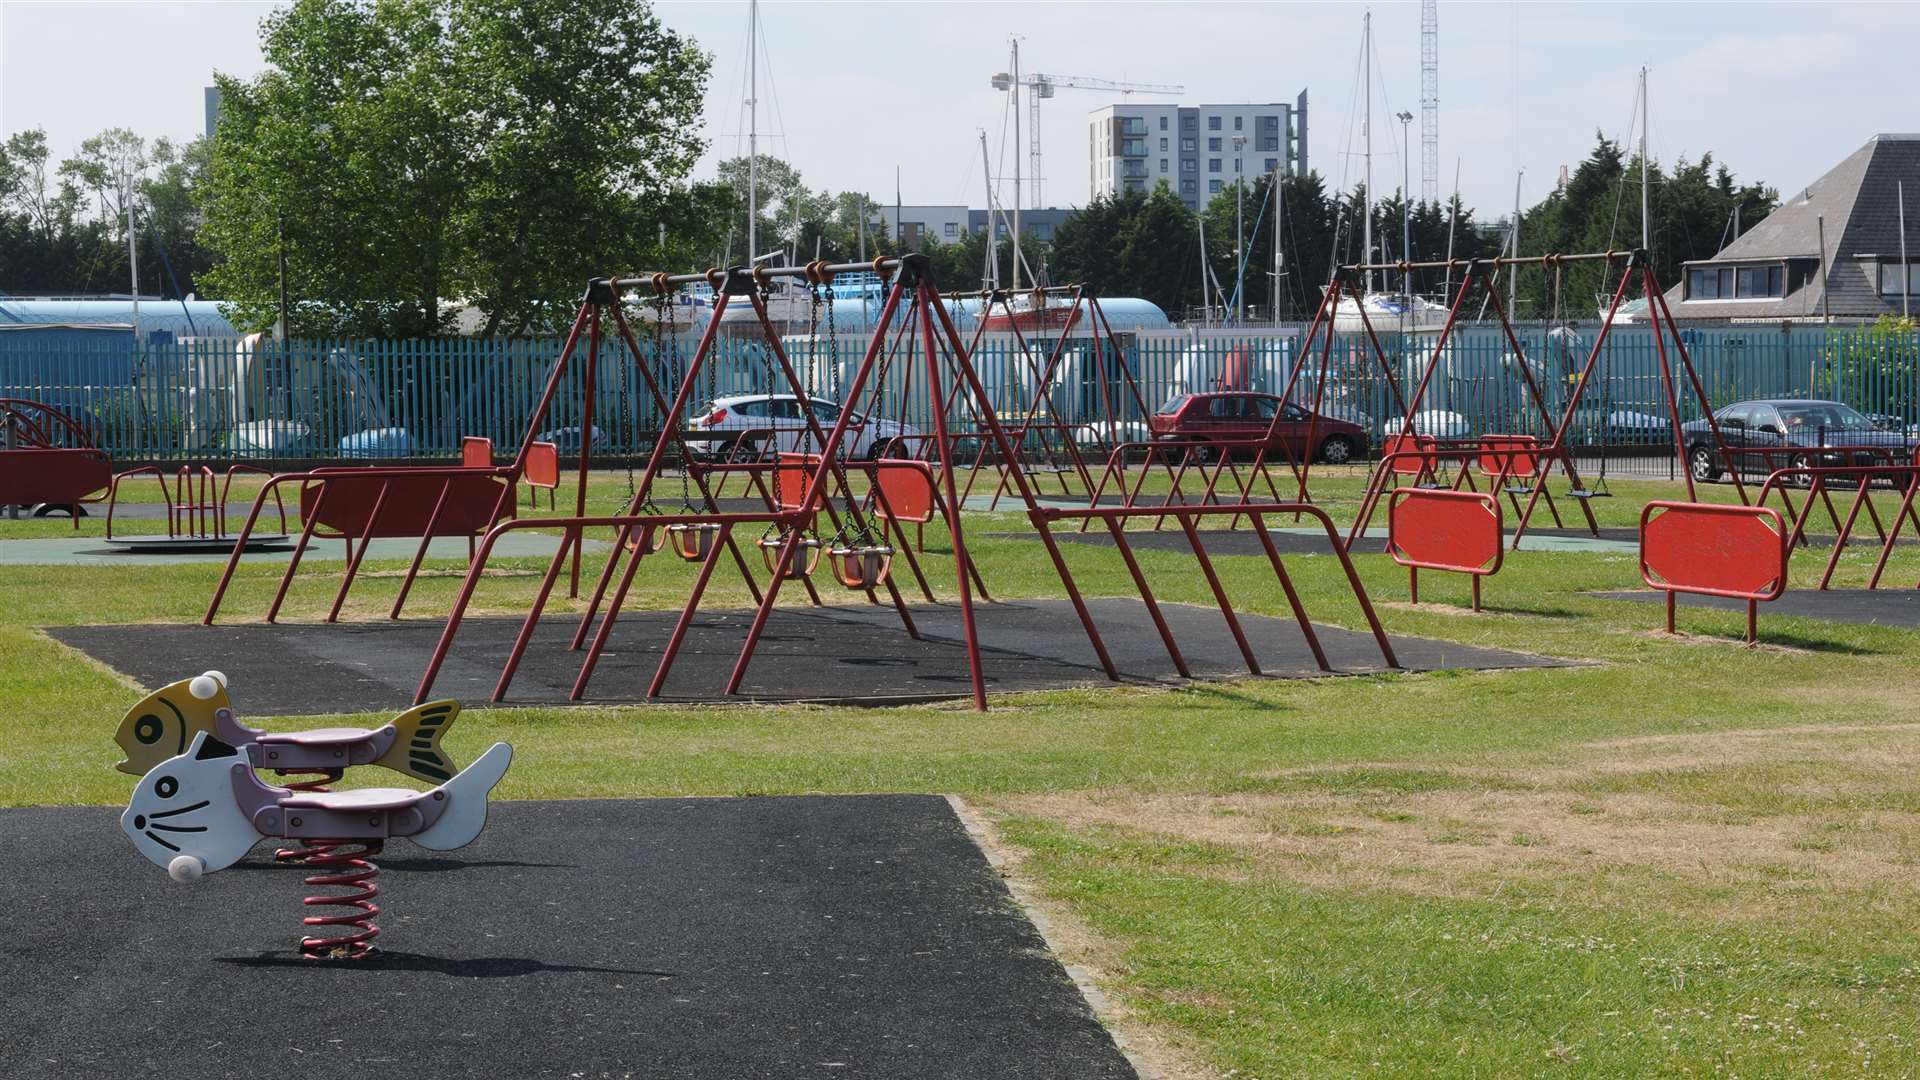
{"x":202,"y":809}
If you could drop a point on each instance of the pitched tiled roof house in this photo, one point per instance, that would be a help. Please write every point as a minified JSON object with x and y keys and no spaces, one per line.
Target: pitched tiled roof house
{"x":1778,"y":270}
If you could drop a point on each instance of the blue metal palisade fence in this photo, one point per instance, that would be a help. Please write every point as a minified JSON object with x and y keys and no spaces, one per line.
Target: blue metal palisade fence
{"x":220,"y":400}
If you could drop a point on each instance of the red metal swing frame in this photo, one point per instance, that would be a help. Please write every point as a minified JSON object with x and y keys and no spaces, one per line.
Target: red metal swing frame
{"x":911,"y":284}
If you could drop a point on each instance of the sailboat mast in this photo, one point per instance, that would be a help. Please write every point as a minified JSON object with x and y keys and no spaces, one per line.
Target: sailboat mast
{"x":1366,"y":199}
{"x":1646,"y":230}
{"x":990,"y":273}
{"x":133,"y":251}
{"x":753,"y":129}
{"x":1279,"y":260}
{"x":1016,"y":164}
{"x":1513,"y":279}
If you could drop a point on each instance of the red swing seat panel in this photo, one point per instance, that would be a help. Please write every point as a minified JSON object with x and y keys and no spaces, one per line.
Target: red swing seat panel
{"x":543,"y":465}
{"x":474,"y":503}
{"x":1436,"y":529}
{"x":907,"y":487}
{"x":1498,"y":451}
{"x":1423,"y":445}
{"x":1714,"y":549}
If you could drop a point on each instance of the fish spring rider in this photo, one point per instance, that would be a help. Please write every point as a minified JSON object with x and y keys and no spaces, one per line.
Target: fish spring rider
{"x":204,"y":808}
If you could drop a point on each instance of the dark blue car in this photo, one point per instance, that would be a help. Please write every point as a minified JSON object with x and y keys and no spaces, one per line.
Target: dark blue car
{"x":1778,"y":433}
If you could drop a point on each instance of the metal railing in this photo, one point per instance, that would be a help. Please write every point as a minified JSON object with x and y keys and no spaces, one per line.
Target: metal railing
{"x":220,"y":401}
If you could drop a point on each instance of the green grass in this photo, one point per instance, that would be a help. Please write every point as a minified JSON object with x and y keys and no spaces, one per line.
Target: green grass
{"x":1683,"y":857}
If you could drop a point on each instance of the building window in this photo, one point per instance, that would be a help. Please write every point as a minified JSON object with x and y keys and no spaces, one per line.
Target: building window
{"x":1163,"y":123}
{"x":1269,"y":142}
{"x":1272,"y":164}
{"x":1189,"y":123}
{"x":1163,"y":166}
{"x":1163,"y":146}
{"x":1891,"y":275}
{"x":1236,"y":123}
{"x":1758,"y":281}
{"x":1213,"y":123}
{"x":1213,"y":145}
{"x":1269,"y":123}
{"x":1133,"y":125}
{"x":953,"y":228}
{"x":1213,"y":186}
{"x":1188,"y":144}
{"x":1134,"y":169}
{"x":1189,"y":187}
{"x":1213,"y":164}
{"x":1236,"y":164}
{"x":1710,"y":283}
{"x":1133,"y":148}
{"x":1188,"y":165}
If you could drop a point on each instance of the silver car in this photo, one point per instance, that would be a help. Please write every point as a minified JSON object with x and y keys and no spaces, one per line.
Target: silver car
{"x":758,"y":418}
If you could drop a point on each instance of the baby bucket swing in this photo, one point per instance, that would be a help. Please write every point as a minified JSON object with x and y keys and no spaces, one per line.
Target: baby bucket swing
{"x":690,"y":540}
{"x":807,"y":544}
{"x":1599,"y":488}
{"x":859,"y":559}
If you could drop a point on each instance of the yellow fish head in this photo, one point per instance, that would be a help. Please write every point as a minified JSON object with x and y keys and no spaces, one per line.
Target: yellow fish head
{"x":165,"y":721}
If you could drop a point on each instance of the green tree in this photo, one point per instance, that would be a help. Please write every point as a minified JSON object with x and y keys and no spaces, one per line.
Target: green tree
{"x":406,"y":152}
{"x":1598,"y":209}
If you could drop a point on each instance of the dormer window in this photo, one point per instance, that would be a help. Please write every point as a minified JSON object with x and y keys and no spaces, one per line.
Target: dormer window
{"x":1752,"y":282}
{"x":1737,"y":282}
{"x":1710,"y":283}
{"x":1895,"y":276}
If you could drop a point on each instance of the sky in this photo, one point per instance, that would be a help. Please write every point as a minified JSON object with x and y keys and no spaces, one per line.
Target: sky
{"x":1777,"y":91}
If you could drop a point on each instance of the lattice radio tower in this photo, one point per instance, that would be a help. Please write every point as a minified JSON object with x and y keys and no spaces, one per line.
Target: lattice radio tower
{"x":1430,"y":100}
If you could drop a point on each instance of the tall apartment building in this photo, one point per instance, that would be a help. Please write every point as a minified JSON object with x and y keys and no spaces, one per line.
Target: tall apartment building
{"x":946,"y":224}
{"x":1197,"y":149}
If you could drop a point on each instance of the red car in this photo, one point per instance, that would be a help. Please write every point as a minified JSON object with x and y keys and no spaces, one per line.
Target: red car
{"x":1247,"y":418}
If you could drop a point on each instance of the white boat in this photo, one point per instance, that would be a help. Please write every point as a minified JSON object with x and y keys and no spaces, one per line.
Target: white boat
{"x":1388,"y":313}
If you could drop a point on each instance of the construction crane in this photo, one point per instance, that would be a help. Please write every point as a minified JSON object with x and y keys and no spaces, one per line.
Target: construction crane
{"x":1041,"y":87}
{"x":1430,"y":101}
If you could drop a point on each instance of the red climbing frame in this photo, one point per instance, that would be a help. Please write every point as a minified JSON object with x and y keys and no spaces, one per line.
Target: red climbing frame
{"x":1714,"y":549}
{"x":948,"y":364}
{"x":1437,"y":529}
{"x":47,"y":457}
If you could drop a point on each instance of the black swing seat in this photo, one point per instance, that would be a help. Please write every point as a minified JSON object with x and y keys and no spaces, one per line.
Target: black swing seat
{"x":1589,"y":493}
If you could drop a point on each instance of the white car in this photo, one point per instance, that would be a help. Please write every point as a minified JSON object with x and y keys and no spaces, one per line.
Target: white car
{"x":758,"y":417}
{"x":1439,"y":423}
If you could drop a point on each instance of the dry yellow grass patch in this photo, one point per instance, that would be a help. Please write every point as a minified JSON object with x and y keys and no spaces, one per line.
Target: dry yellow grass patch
{"x":1632,"y":811}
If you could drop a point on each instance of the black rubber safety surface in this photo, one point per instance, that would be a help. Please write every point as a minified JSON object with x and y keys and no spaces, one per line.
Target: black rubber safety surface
{"x":844,"y":655}
{"x":1876,"y":607}
{"x":861,"y":936}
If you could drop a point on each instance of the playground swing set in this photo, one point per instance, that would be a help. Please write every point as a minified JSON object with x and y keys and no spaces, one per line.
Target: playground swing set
{"x":788,"y":521}
{"x":1686,"y":546}
{"x":1514,"y":464}
{"x":1043,"y":420}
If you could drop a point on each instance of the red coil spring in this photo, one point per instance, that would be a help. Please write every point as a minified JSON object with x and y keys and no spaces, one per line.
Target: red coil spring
{"x":308,"y":849}
{"x":345,"y":864}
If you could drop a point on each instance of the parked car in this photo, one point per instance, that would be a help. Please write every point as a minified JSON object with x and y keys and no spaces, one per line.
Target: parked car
{"x":1439,"y":423}
{"x":1778,"y":433}
{"x":1248,"y":418}
{"x":1123,"y":431}
{"x":1617,"y":426}
{"x":726,"y":420}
